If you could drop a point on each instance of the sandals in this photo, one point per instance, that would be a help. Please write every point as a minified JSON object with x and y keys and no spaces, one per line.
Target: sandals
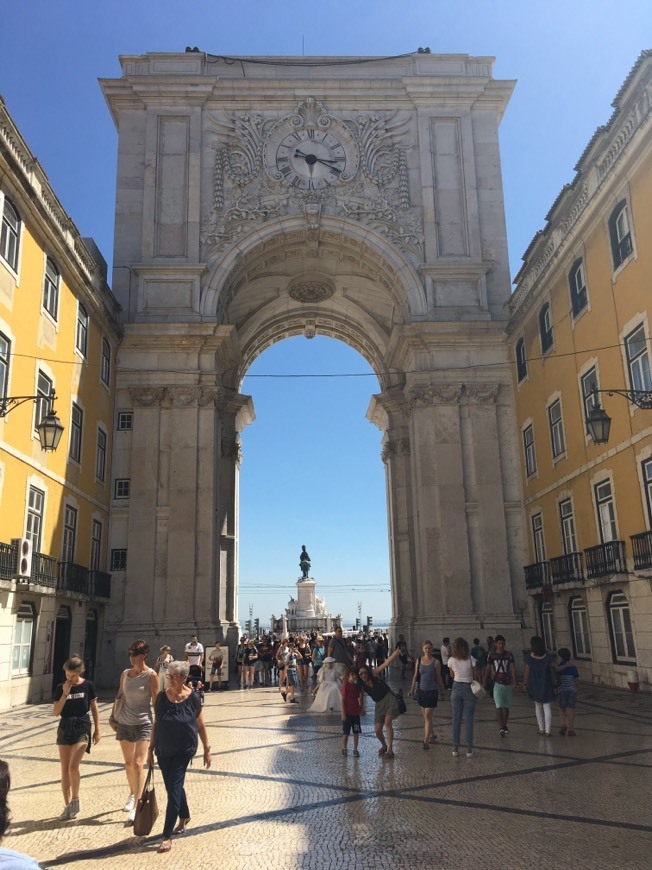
{"x":382,"y":750}
{"x":181,"y":827}
{"x":165,"y":846}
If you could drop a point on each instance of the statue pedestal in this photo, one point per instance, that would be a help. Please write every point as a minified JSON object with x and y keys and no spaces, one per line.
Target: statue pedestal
{"x":306,"y":598}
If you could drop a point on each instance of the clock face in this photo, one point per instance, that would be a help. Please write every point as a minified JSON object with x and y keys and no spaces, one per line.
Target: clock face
{"x":311,"y":159}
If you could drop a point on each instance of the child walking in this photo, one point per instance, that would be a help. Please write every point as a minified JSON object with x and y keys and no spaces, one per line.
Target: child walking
{"x":568,"y":676}
{"x":352,"y":708}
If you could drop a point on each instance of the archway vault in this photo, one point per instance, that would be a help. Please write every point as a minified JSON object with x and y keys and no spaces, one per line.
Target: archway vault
{"x":340,"y":280}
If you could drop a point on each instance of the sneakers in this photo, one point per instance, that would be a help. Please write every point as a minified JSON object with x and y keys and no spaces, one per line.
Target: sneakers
{"x":504,"y":732}
{"x":426,"y":745}
{"x":131,"y":818}
{"x":506,"y":729}
{"x":470,"y":753}
{"x":131,"y":803}
{"x":285,"y":697}
{"x":571,"y":733}
{"x":455,"y":752}
{"x":65,"y":815}
{"x":73,"y":808}
{"x":432,"y":738}
{"x":563,"y":730}
{"x":356,"y":754}
{"x":293,"y":701}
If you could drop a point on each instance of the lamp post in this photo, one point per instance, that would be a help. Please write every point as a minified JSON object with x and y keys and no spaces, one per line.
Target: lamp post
{"x":49,"y":429}
{"x":598,"y":422}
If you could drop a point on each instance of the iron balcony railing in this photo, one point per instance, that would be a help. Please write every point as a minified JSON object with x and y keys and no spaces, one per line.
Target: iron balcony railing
{"x":65,"y":576}
{"x":100,"y":584}
{"x":44,"y":570}
{"x":568,"y":568}
{"x":642,"y":549}
{"x":537,"y":575}
{"x":7,"y":561}
{"x":605,"y":559}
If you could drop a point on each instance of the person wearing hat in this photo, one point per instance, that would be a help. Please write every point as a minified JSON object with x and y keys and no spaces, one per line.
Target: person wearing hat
{"x":501,"y":668}
{"x":161,"y":667}
{"x":328,"y":692}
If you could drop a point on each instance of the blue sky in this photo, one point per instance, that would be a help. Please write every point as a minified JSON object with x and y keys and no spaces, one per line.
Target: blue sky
{"x":315,"y":476}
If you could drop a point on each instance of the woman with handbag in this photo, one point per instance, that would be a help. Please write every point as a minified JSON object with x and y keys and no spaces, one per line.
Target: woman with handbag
{"x":133,"y":719}
{"x":386,"y":709}
{"x":427,"y":673}
{"x":462,"y":667}
{"x":179,"y":722}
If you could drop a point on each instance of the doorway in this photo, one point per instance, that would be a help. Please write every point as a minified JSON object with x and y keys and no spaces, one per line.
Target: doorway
{"x":61,"y":644}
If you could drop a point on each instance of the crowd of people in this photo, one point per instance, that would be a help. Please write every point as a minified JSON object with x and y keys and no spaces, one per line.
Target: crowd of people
{"x":159,"y":711}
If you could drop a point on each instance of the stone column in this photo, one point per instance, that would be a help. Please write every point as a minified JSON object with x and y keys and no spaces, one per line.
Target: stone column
{"x":235,"y":412}
{"x":443,"y":565}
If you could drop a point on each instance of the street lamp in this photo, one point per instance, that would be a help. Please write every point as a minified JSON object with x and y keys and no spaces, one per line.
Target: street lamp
{"x":598,"y":422}
{"x":49,"y":429}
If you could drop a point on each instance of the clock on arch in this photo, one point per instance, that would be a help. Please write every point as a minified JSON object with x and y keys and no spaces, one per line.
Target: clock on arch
{"x":310,"y":151}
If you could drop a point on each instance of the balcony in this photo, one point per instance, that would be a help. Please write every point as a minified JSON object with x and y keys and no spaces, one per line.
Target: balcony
{"x":76,"y":578}
{"x":62,"y":576}
{"x":568,"y":568}
{"x":537,"y":575}
{"x":44,"y":570}
{"x":605,"y":559}
{"x":642,"y":549}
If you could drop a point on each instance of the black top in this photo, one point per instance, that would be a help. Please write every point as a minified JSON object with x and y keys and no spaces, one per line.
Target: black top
{"x":78,"y":702}
{"x":377,"y":690}
{"x":175,"y":732}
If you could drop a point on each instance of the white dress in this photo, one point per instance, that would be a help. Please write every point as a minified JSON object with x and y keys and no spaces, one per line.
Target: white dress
{"x":329,"y":694}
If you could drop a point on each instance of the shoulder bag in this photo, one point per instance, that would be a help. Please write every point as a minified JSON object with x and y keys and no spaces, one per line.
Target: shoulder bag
{"x":117,"y":704}
{"x":146,"y":808}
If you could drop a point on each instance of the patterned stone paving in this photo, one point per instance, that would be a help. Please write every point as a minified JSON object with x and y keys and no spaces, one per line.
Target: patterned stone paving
{"x":280,"y":794}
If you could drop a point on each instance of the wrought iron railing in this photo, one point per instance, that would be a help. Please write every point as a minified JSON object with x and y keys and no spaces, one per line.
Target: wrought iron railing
{"x":65,"y":576}
{"x":100,"y":584}
{"x":7,"y":561}
{"x":537,"y":575}
{"x":642,"y":550}
{"x":605,"y":559}
{"x":73,"y":578}
{"x":567,"y":568}
{"x":45,"y":570}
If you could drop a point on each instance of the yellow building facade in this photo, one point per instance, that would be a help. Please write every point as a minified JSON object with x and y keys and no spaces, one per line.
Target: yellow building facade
{"x":58,"y":335}
{"x":579,"y":330}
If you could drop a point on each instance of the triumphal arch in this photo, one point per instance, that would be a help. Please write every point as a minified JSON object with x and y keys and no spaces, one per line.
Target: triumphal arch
{"x":358,"y":198}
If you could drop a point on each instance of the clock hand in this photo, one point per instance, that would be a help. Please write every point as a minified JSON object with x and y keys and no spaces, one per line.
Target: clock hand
{"x":311,"y":159}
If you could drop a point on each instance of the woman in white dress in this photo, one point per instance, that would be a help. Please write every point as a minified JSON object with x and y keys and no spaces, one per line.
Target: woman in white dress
{"x":328,"y":695}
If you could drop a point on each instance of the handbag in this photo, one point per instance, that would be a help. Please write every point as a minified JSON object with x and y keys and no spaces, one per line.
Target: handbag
{"x":146,"y":808}
{"x":477,"y":690}
{"x":117,"y":705}
{"x":400,"y":700}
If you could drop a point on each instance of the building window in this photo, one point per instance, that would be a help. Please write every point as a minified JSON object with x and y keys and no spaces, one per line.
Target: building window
{"x":81,"y":339}
{"x":125,"y":421}
{"x":548,"y":626}
{"x":606,"y":512}
{"x":620,"y":623}
{"x":96,"y":545}
{"x":556,"y":429}
{"x":638,"y":360}
{"x":647,"y":483}
{"x":21,"y":653}
{"x":521,"y":360}
{"x":118,"y":560}
{"x":589,"y":396}
{"x":100,"y":460}
{"x":105,"y":365}
{"x":34,"y":526}
{"x":44,"y":391}
{"x":69,"y":534}
{"x":5,"y":353}
{"x":545,"y":328}
{"x":579,"y":621}
{"x":538,"y":539}
{"x":51,"y":289}
{"x":10,"y":235}
{"x":530,"y":455}
{"x":76,"y":427}
{"x":577,"y":284}
{"x":620,"y":234}
{"x":567,"y":520}
{"x":122,"y":487}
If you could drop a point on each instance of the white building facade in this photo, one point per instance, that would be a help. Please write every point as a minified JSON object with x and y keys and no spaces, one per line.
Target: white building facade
{"x":357,"y":198}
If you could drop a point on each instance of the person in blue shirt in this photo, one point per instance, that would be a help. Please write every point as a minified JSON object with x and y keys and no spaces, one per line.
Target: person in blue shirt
{"x":567,"y":694}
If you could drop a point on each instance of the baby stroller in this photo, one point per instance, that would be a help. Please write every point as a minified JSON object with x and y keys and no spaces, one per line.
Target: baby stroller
{"x":195,"y":682}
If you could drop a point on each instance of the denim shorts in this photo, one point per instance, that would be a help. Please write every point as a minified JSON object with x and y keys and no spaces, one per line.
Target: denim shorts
{"x":133,"y":733}
{"x":567,"y":699}
{"x":292,"y":677}
{"x":502,"y":696}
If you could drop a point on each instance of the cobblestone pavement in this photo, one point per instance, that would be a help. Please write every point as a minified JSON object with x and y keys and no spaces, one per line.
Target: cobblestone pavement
{"x":280,"y":794}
